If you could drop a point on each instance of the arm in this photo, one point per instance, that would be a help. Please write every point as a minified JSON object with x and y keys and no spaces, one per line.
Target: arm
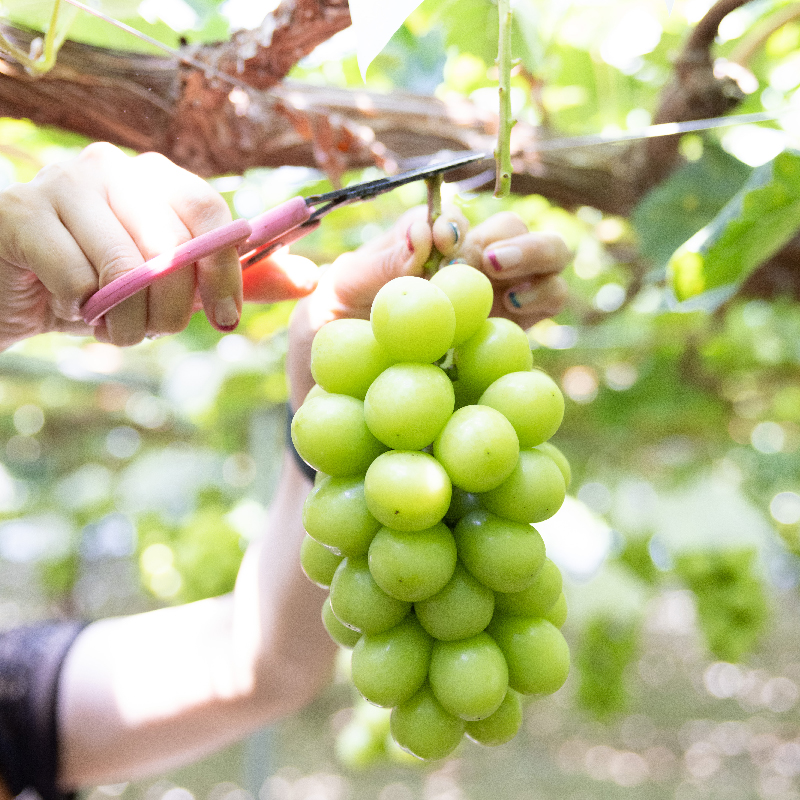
{"x":145,"y":693}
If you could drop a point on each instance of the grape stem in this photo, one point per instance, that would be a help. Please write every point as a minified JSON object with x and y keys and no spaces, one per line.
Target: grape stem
{"x":434,"y":184}
{"x":504,"y":169}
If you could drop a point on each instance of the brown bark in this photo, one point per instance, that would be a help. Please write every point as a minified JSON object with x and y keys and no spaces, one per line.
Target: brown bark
{"x":227,"y":107}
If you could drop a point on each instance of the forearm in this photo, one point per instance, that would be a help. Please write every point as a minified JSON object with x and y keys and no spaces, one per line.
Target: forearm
{"x":145,"y":693}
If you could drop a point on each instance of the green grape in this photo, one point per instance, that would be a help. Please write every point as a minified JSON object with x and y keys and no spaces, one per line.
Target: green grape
{"x":535,"y":600}
{"x":471,"y":294}
{"x":558,"y":613}
{"x":318,"y":562}
{"x":532,"y":403}
{"x":478,"y":447}
{"x":408,"y":404}
{"x":315,"y":391}
{"x":462,"y":609}
{"x":413,"y":320}
{"x":319,"y":477}
{"x":390,"y":667}
{"x":559,"y":458}
{"x":413,"y":565}
{"x":502,"y":554}
{"x":533,"y":492}
{"x":500,"y":727}
{"x":335,"y":513}
{"x":346,"y":358}
{"x":536,"y":652}
{"x":407,"y":490}
{"x":396,"y":753}
{"x":341,"y":634}
{"x":359,"y":602}
{"x":469,"y":677}
{"x":461,"y":503}
{"x":498,"y":347}
{"x":422,"y":727}
{"x":330,"y":434}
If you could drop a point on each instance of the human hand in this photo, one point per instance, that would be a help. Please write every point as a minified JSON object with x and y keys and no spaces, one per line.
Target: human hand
{"x":524,"y":267}
{"x":80,"y":224}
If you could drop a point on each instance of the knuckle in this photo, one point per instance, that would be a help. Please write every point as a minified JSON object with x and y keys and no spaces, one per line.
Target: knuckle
{"x":205,"y":209}
{"x":99,"y":152}
{"x":117,"y":261}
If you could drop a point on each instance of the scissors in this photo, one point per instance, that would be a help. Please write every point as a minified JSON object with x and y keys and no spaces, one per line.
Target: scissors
{"x":259,"y":237}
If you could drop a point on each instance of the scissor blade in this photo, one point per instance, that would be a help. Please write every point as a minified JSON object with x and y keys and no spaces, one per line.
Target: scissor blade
{"x":370,"y":189}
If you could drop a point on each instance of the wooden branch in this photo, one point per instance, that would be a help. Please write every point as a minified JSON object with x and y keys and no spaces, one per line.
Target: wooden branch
{"x":695,"y":92}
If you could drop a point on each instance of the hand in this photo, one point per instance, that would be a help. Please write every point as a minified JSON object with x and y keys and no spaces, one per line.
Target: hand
{"x":79,"y":225}
{"x":524,"y":267}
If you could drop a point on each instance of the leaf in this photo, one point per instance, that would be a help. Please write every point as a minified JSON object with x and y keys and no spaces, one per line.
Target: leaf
{"x":689,"y":199}
{"x":753,"y":226}
{"x":375,"y":23}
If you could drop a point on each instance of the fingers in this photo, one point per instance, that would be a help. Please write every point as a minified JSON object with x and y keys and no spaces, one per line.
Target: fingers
{"x":187,"y":208}
{"x":82,"y":224}
{"x":449,"y":230}
{"x":523,"y":265}
{"x":533,"y":300}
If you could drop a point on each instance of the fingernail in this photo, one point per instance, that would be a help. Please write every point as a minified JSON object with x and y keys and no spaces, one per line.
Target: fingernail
{"x":504,"y":257}
{"x":409,"y":243}
{"x":456,"y":234}
{"x":226,"y":314}
{"x":523,"y":295}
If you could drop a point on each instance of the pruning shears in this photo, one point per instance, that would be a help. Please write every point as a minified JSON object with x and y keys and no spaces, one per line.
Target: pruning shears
{"x":259,"y":237}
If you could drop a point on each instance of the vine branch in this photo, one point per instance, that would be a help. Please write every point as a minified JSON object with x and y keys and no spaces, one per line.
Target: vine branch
{"x":503,"y":152}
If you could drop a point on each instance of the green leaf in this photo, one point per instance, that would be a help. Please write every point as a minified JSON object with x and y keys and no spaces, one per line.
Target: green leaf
{"x":751,"y":228}
{"x":689,"y":199}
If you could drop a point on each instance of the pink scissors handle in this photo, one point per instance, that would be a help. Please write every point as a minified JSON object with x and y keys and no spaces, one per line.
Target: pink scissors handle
{"x":246,"y":236}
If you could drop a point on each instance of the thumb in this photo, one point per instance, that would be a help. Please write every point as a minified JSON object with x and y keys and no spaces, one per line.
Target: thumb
{"x":280,"y":276}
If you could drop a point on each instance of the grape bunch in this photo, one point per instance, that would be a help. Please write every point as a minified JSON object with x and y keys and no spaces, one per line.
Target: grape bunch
{"x":428,"y":427}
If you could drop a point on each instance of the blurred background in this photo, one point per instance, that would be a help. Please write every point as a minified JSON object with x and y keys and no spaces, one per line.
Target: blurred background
{"x":131,"y":479}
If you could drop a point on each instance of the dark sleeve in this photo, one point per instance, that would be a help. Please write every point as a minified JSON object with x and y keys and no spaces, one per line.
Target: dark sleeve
{"x":30,"y":662}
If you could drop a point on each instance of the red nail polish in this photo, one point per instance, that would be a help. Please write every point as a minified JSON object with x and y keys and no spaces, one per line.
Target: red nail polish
{"x":409,"y":243}
{"x":493,"y":261}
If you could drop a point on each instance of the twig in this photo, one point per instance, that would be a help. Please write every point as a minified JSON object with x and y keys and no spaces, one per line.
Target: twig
{"x":502,"y":186}
{"x":753,"y":40}
{"x":434,"y":184}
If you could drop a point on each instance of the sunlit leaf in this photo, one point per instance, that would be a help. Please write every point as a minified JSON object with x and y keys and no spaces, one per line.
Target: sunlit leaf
{"x":751,"y":228}
{"x":376,"y":23}
{"x":689,"y":199}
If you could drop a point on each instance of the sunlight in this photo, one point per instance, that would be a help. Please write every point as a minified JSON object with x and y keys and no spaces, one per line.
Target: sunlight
{"x":576,"y":539}
{"x":753,"y":144}
{"x":180,"y":16}
{"x":246,"y":13}
{"x":637,"y":33}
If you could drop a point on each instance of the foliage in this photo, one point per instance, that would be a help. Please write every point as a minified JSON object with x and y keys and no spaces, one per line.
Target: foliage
{"x":755,"y":224}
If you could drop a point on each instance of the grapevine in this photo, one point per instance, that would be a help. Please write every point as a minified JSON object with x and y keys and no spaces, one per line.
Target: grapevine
{"x":420,"y":522}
